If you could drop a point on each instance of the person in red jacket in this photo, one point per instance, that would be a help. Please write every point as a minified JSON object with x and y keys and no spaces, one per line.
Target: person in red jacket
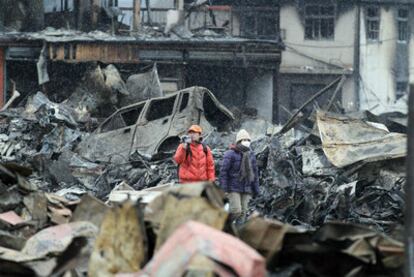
{"x":194,"y":159}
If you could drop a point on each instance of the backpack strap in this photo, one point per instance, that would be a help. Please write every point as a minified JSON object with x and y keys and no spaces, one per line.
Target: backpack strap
{"x":205,"y":149}
{"x":188,"y":152}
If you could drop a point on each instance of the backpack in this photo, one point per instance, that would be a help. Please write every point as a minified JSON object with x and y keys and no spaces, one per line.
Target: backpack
{"x":188,"y":153}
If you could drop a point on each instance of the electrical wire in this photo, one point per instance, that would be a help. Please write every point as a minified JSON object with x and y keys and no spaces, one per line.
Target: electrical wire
{"x":294,"y":50}
{"x":339,"y":46}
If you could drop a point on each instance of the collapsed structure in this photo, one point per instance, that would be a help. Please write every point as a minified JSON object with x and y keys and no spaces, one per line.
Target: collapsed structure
{"x":92,"y":119}
{"x":320,"y":180}
{"x":193,"y":45}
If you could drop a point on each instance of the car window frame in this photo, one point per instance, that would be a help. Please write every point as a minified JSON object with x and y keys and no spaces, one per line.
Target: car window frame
{"x":118,"y":113}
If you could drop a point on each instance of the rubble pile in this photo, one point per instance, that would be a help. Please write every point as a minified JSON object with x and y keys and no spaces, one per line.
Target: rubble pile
{"x":49,"y":149}
{"x":176,"y":229}
{"x":45,"y":136}
{"x":332,"y":190}
{"x":370,"y":194}
{"x":30,"y":244}
{"x":301,"y":186}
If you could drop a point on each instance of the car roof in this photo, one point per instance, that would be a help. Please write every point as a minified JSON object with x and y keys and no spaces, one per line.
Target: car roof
{"x":194,"y":89}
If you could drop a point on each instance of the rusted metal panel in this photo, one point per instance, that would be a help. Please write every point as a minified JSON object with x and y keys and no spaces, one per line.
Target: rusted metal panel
{"x":2,"y":76}
{"x":60,"y":54}
{"x":84,"y":52}
{"x":87,"y":52}
{"x":57,"y":52}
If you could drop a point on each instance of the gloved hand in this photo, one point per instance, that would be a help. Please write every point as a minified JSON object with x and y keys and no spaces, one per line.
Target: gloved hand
{"x":185,"y":141}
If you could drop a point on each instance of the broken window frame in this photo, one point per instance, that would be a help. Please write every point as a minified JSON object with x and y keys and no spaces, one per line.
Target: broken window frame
{"x":402,"y":25}
{"x":185,"y":100}
{"x":109,"y":3}
{"x":314,"y":22}
{"x":401,"y":89}
{"x":373,"y":23}
{"x":252,"y":18}
{"x":172,"y":98}
{"x":110,"y":124}
{"x":139,"y":108}
{"x":118,"y":115}
{"x":63,"y":7}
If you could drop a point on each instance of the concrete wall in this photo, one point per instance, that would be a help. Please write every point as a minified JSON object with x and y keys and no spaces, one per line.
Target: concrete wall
{"x":338,"y":51}
{"x":378,"y":62}
{"x":349,"y":97}
{"x":259,"y":93}
{"x":382,"y":63}
{"x":311,"y":57}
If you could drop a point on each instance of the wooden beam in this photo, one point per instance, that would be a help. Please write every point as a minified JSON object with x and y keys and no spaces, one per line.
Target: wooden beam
{"x":137,"y":15}
{"x":96,"y":5}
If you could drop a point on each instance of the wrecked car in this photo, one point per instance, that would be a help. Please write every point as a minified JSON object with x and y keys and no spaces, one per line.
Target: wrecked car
{"x":154,"y":125}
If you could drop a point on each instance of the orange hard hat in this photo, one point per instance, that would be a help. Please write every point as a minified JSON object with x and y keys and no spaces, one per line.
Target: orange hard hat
{"x":195,"y":129}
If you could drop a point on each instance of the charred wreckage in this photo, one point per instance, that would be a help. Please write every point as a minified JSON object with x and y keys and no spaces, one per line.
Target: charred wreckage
{"x":336,"y":185}
{"x":87,"y":181}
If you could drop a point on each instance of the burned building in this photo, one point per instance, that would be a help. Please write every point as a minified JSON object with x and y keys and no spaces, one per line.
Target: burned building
{"x":230,"y":47}
{"x":81,"y":195}
{"x":233,"y":48}
{"x":367,"y":42}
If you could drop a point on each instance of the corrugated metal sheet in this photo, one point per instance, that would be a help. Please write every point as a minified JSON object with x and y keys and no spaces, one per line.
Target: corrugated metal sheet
{"x":346,"y":141}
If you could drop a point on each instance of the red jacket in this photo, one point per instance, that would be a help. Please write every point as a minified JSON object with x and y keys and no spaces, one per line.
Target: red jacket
{"x":197,"y":166}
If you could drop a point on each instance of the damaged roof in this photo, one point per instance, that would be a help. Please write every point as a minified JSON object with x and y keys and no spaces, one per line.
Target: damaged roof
{"x":146,"y":46}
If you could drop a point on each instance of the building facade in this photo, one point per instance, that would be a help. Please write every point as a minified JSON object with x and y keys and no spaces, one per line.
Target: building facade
{"x":368,"y":42}
{"x":228,"y":47}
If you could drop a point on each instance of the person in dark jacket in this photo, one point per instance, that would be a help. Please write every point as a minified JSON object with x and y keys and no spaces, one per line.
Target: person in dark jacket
{"x":239,"y":176}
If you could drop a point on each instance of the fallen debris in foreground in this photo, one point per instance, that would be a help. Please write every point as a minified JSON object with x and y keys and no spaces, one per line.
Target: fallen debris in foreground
{"x":135,"y":236}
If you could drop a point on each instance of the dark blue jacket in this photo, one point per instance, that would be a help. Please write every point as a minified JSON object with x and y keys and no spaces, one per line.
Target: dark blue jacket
{"x":230,"y":176}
